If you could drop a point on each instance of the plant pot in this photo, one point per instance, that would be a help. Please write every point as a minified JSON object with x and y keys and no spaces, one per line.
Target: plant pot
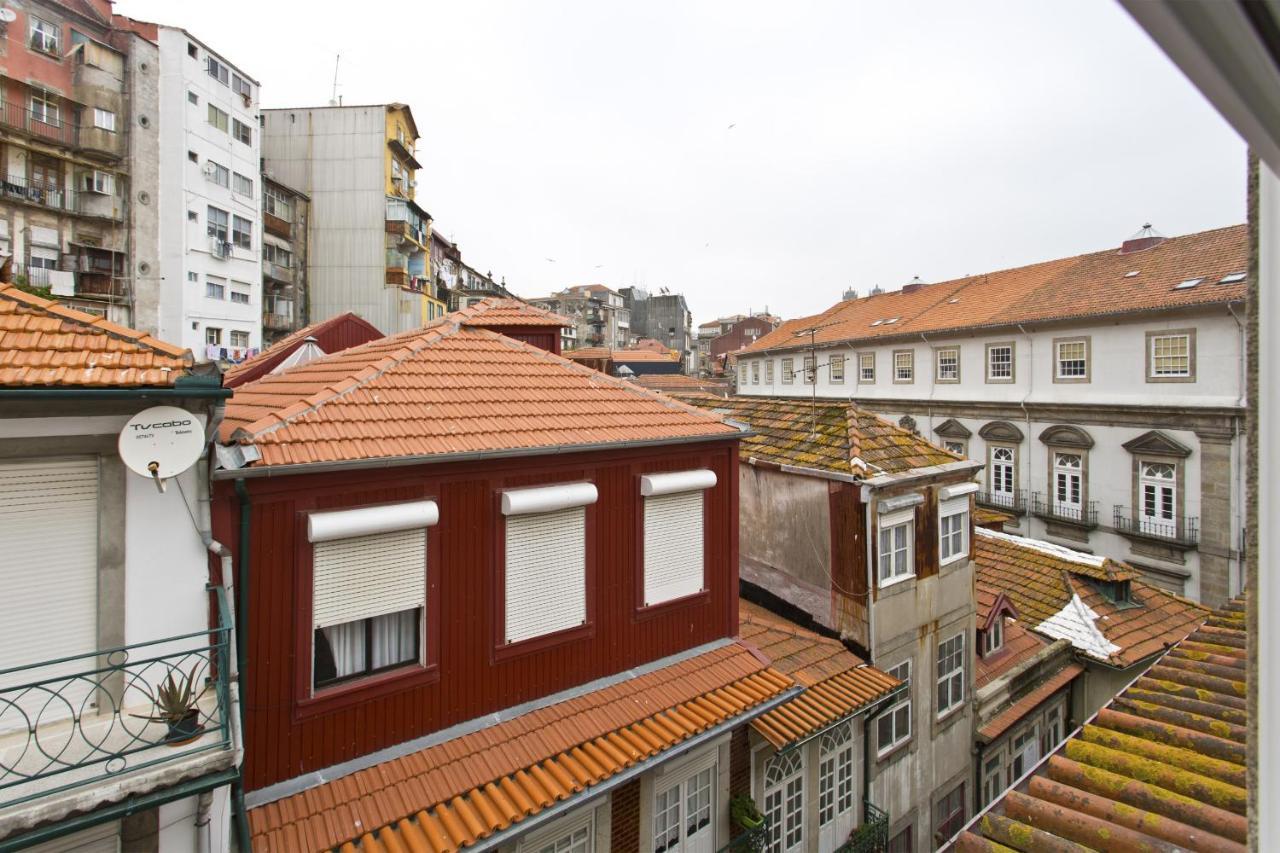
{"x":751,"y":821}
{"x":185,"y":730}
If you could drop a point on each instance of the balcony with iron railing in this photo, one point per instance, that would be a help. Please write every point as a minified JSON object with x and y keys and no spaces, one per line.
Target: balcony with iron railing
{"x":872,"y":835}
{"x":70,"y":724}
{"x":1080,"y":515}
{"x":277,"y":272}
{"x":1180,"y":530}
{"x":43,"y":125}
{"x":20,"y":188}
{"x":1014,"y":502}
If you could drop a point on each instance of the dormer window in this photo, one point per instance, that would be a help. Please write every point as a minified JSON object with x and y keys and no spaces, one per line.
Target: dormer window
{"x":992,"y":639}
{"x":1116,"y":591}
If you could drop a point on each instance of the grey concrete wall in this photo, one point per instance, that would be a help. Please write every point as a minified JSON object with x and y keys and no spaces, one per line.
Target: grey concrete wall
{"x":785,"y":524}
{"x":142,"y":78}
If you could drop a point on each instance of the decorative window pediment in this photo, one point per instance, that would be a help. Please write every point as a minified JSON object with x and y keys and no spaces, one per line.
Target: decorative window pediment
{"x":952,"y":428}
{"x":1001,"y":431}
{"x":1067,"y":436}
{"x":1156,"y":443}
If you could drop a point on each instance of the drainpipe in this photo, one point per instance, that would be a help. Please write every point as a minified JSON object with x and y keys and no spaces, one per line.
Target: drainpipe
{"x":204,"y":807}
{"x":933,"y":376}
{"x":1236,"y":452}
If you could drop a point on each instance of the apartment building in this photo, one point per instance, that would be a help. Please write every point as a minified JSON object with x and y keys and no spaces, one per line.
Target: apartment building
{"x":108,"y":598}
{"x":601,"y":315}
{"x":286,"y":217}
{"x":1103,"y":393}
{"x":544,"y":615}
{"x":867,"y":528}
{"x":370,"y":239}
{"x":663,"y":316}
{"x":65,"y":149}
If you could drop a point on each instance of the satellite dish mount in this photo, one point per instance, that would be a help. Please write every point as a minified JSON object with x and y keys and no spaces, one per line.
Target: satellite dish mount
{"x":161,"y":442}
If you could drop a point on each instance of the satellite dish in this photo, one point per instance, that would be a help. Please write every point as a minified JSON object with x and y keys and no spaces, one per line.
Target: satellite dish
{"x":8,"y":16}
{"x":161,"y":442}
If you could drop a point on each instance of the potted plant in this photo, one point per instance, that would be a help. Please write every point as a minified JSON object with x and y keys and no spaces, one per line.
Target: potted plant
{"x":744,"y":812}
{"x":175,"y":704}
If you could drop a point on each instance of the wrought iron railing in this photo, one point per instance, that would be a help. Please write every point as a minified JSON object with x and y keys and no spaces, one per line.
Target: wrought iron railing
{"x":1085,"y":514}
{"x":1015,"y":501}
{"x":749,"y":840}
{"x":79,"y":720}
{"x":1180,"y":529}
{"x":36,"y":192}
{"x":872,"y":835}
{"x":43,"y":125}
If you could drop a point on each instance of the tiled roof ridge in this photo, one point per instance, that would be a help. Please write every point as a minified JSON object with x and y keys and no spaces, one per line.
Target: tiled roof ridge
{"x":1059,"y":551}
{"x":475,"y":814}
{"x":595,"y":375}
{"x":417,"y":340}
{"x":855,"y":438}
{"x":33,"y":302}
{"x":1076,"y":614}
{"x":483,"y":306}
{"x":290,"y":339}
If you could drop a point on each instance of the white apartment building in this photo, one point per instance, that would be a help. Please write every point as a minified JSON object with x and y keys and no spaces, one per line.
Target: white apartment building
{"x":210,"y":232}
{"x":1104,"y":394}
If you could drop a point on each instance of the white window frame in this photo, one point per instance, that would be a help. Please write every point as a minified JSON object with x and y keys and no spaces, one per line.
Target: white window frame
{"x":951,"y":509}
{"x":1163,"y":491}
{"x":104,"y":119}
{"x":239,"y":335}
{"x":788,"y":371}
{"x":242,"y":185}
{"x":237,"y":126}
{"x":956,"y":446}
{"x":1000,"y":371}
{"x":786,"y":795}
{"x":993,"y":636}
{"x":212,"y":336}
{"x":755,"y":372}
{"x":674,"y":543}
{"x":888,"y":523}
{"x":867,"y":367}
{"x":215,"y":289}
{"x":949,"y":676}
{"x":1070,"y":476}
{"x":835,"y":371}
{"x":217,"y":118}
{"x":947,"y":364}
{"x":768,"y":371}
{"x":902,"y":672}
{"x":549,"y":838}
{"x":837,"y":774}
{"x":219,"y":226}
{"x":810,"y":369}
{"x":742,"y":373}
{"x":992,"y":780}
{"x":680,"y":777}
{"x":1059,"y":362}
{"x":50,"y":112}
{"x":277,"y":204}
{"x":97,"y":181}
{"x":1155,"y":357}
{"x":217,"y":70}
{"x":1004,"y":472}
{"x":219,"y":173}
{"x":50,"y":35}
{"x":904,"y":366}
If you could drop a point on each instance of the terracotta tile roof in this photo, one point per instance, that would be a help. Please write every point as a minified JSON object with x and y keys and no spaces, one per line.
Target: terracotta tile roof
{"x":680,"y":382}
{"x":264,"y":361}
{"x":1020,"y":645}
{"x":837,"y":682}
{"x":447,"y":389}
{"x":44,"y":344}
{"x":1163,"y":766}
{"x":449,"y":796}
{"x":494,"y":311}
{"x":622,"y":355}
{"x":1082,"y":286}
{"x":986,"y":517}
{"x":848,"y":439}
{"x":1002,"y":722}
{"x":1051,"y":588}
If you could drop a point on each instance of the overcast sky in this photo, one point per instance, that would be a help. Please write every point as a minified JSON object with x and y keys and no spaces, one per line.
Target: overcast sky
{"x":751,"y":154}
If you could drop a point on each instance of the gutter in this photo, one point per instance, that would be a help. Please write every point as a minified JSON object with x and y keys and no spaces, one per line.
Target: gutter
{"x":201,"y":393}
{"x":844,"y":718}
{"x":464,"y":456}
{"x":115,"y":811}
{"x":635,"y":770}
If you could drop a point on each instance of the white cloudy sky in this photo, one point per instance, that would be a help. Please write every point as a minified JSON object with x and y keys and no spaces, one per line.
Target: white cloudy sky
{"x":750,"y":153}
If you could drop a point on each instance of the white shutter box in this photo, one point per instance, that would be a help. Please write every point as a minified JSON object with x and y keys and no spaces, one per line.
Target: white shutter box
{"x":548,"y":498}
{"x":546,"y":578}
{"x":678,"y":481}
{"x":673,"y":546}
{"x":339,"y":524}
{"x":946,"y":493}
{"x":358,"y":577}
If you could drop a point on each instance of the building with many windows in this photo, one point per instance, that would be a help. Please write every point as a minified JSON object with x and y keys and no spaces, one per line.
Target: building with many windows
{"x":1103,"y":393}
{"x":285,"y":221}
{"x":65,"y":199}
{"x":370,"y":240}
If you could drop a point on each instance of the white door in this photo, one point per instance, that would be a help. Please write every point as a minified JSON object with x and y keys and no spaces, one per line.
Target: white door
{"x":1068,"y":499}
{"x":49,"y":609}
{"x":684,"y":814}
{"x":1158,"y":492}
{"x":837,"y":813}
{"x":784,"y":801}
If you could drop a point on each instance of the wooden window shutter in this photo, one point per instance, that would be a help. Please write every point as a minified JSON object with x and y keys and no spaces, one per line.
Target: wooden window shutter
{"x":546,"y":572}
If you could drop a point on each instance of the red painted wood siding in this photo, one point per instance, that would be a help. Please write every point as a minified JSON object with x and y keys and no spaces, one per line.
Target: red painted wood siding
{"x":283,"y":740}
{"x":335,"y":335}
{"x":543,"y":337}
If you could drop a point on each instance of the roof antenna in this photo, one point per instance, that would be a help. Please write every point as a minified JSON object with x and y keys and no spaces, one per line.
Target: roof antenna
{"x":811,"y":373}
{"x":333,"y":98}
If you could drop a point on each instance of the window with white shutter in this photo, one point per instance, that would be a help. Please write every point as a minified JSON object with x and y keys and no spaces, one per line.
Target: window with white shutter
{"x":546,"y":559}
{"x":369,"y":582}
{"x":673,"y":534}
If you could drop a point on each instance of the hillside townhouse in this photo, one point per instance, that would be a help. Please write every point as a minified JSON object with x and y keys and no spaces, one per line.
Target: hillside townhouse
{"x":1102,"y":392}
{"x":65,"y":201}
{"x":867,"y":529}
{"x":370,"y":239}
{"x":286,"y":218}
{"x":1161,"y":767}
{"x":111,"y":593}
{"x":498,"y":613}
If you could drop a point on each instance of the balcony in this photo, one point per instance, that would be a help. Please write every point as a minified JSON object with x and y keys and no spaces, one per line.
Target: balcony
{"x":18,"y":188}
{"x":1014,"y":502}
{"x":276,"y":272}
{"x":75,"y":722}
{"x":397,"y":277}
{"x":273,"y":224}
{"x":872,"y":835}
{"x":278,"y":322}
{"x":1180,"y":531}
{"x":1083,"y":515}
{"x":101,"y":142}
{"x":15,"y":116}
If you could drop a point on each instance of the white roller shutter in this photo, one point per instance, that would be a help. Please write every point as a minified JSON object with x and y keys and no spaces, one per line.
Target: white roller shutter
{"x":364,"y":576}
{"x":673,"y":546}
{"x":546,"y":573}
{"x":104,"y":838}
{"x":49,"y":533}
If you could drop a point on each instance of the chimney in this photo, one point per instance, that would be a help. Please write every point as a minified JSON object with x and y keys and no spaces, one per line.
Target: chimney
{"x":875,"y":291}
{"x":1146,"y":238}
{"x":850,"y":293}
{"x":914,"y":285}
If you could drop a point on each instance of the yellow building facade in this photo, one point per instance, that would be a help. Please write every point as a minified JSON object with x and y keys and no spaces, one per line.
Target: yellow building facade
{"x":408,"y":225}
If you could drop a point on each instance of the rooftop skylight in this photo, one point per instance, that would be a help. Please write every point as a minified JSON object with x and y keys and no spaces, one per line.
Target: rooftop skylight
{"x":1188,"y":284}
{"x":1131,"y":273}
{"x":1232,"y":278}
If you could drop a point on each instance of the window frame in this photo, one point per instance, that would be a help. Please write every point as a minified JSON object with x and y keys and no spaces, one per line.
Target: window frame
{"x":215,"y":289}
{"x":938,"y":378}
{"x":991,"y":378}
{"x":940,"y":821}
{"x":1086,"y":341}
{"x":104,"y":119}
{"x":221,"y":229}
{"x":891,"y":521}
{"x":958,"y":446}
{"x":902,"y":672}
{"x":217,"y":69}
{"x":236,"y":179}
{"x":768,"y":371}
{"x":755,"y":371}
{"x":237,"y":231}
{"x":370,"y":671}
{"x":679,"y":776}
{"x":644,"y":609}
{"x":992,"y":470}
{"x":910,"y":367}
{"x":221,"y":175}
{"x":993,"y":636}
{"x":959,"y":701}
{"x":217,"y":336}
{"x":50,"y":111}
{"x":781,"y":787}
{"x":810,"y":369}
{"x":863,"y":358}
{"x":788,"y":371}
{"x":1152,"y":337}
{"x":835,"y":368}
{"x":1057,"y":469}
{"x":49,"y":32}
{"x":950,"y":509}
{"x":223,"y":118}
{"x":834,"y":788}
{"x":236,"y":127}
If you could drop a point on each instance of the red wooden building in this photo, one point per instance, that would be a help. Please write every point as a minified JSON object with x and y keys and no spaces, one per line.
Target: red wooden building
{"x":480,"y":586}
{"x":328,"y":336}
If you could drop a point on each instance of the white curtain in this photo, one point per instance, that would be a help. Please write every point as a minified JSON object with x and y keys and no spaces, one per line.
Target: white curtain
{"x":347,"y":643}
{"x":394,"y":636}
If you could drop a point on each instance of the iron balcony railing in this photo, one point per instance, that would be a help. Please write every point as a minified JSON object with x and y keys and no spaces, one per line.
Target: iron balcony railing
{"x":749,"y":840}
{"x":1179,"y":529}
{"x":40,"y":125}
{"x":1015,"y":501}
{"x":76,"y":721}
{"x":872,"y":835}
{"x":1085,"y":514}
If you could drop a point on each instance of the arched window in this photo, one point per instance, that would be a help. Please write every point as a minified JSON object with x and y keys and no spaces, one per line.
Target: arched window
{"x":836,"y":814}
{"x":784,"y":800}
